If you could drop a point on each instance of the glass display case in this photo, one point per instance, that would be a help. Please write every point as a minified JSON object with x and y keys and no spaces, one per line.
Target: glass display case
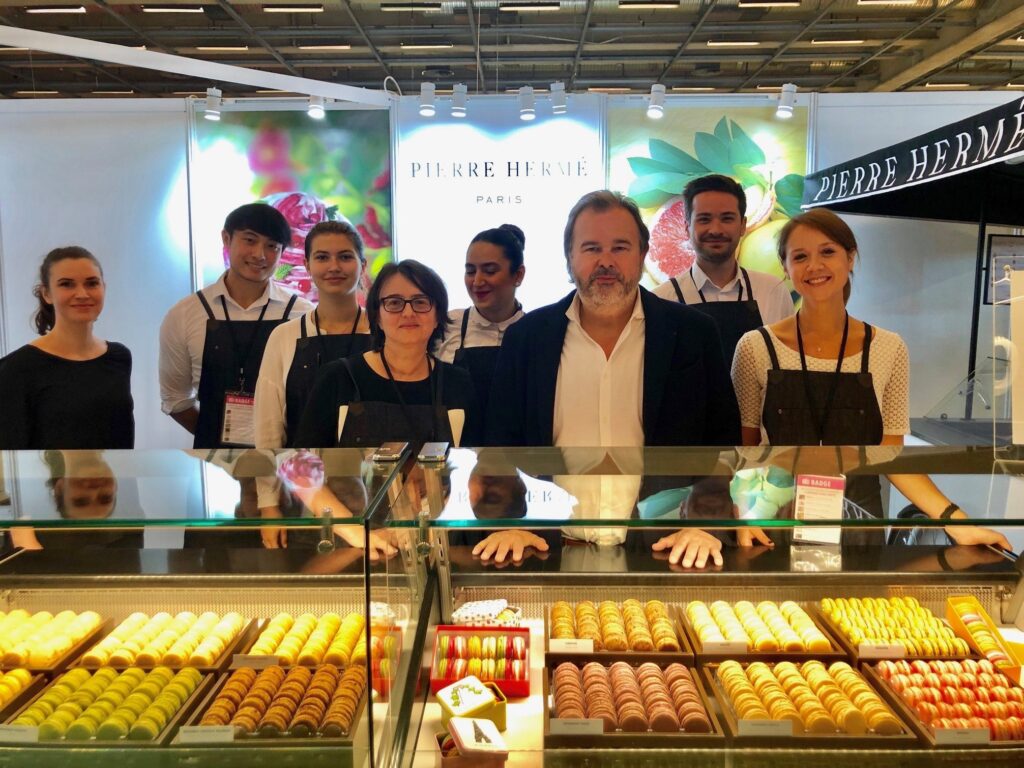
{"x":370,"y":603}
{"x":627,"y":655}
{"x":250,"y":568}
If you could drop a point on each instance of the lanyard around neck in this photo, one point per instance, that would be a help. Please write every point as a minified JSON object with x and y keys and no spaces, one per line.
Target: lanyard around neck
{"x":323,"y":354}
{"x":741,"y":273}
{"x":401,"y":400}
{"x":240,"y":362}
{"x":821,"y":421}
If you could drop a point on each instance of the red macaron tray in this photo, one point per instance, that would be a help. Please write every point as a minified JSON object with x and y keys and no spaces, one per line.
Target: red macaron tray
{"x":782,"y":733}
{"x":952,"y":708}
{"x":636,"y":711}
{"x":27,"y":736}
{"x":721,"y":652}
{"x":582,"y":650}
{"x":493,"y":654}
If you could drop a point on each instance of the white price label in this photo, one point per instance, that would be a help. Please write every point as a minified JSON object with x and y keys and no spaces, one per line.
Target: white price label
{"x":254,"y":661}
{"x":575,"y":727}
{"x":730,"y":647}
{"x":881,"y":650}
{"x":961,"y":736}
{"x":19,"y":734}
{"x":771,"y":728}
{"x":556,"y":645}
{"x":206,"y":734}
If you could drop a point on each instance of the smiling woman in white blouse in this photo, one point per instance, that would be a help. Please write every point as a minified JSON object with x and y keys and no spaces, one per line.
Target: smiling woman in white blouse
{"x":823,"y":377}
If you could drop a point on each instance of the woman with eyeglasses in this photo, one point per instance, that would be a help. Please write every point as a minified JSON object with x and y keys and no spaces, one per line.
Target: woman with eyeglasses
{"x":398,"y":391}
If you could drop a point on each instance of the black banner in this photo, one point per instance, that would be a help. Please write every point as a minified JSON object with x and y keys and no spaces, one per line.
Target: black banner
{"x":981,"y":140}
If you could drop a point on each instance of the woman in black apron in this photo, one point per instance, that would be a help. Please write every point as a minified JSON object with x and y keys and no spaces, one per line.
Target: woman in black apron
{"x":494,"y":269}
{"x":336,"y":328}
{"x":399,"y":391}
{"x":733,"y":318}
{"x":831,"y":379}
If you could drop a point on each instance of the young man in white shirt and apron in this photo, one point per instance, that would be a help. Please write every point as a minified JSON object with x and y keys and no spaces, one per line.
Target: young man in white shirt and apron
{"x":212,"y":342}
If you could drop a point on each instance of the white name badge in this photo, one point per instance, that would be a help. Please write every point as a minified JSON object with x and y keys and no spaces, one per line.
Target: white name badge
{"x":818,"y":497}
{"x":239,"y":425}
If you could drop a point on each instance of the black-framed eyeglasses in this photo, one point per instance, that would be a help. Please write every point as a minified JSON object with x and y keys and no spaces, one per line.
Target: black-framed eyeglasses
{"x":395,"y":304}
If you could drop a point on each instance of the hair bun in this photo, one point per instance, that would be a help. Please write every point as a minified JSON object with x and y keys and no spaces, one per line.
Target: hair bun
{"x":516,"y":232}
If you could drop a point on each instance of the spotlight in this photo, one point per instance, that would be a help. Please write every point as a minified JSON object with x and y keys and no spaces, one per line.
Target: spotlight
{"x":558,"y":103}
{"x":211,"y":111}
{"x":316,"y":107}
{"x":656,"y":107}
{"x":427,"y":108}
{"x":459,"y":100}
{"x":527,"y":111}
{"x":787,"y":97}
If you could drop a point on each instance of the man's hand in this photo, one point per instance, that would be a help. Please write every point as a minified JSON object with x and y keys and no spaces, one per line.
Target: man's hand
{"x":690,"y":548}
{"x":973,"y":534}
{"x":747,"y":537}
{"x":273,"y":538}
{"x":380,"y":545}
{"x":500,"y":543}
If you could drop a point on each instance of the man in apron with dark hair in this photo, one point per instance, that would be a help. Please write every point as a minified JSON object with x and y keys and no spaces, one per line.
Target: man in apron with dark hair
{"x":737,"y":299}
{"x":212,"y":342}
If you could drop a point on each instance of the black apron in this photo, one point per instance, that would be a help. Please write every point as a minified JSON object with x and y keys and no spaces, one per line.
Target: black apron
{"x":804,"y":407}
{"x":371,"y":422}
{"x":310,"y":353}
{"x":232,"y":353}
{"x":479,"y":362}
{"x":733,"y":318}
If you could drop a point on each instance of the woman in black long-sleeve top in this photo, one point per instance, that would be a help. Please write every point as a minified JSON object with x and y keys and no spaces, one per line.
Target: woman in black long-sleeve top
{"x":398,"y":391}
{"x":68,"y":388}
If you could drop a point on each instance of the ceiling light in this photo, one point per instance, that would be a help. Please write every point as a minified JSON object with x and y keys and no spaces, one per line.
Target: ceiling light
{"x":769,"y":3}
{"x":36,"y":93}
{"x":316,"y":107}
{"x":459,"y":91}
{"x":647,"y":5}
{"x":609,"y":89}
{"x":338,"y":47}
{"x":558,"y":100}
{"x":527,"y":108}
{"x":427,"y":108}
{"x":293,"y":9}
{"x":425,"y":46}
{"x":692,"y":88}
{"x":223,"y":48}
{"x":528,"y":7}
{"x":172,"y":9}
{"x":769,"y":87}
{"x":56,"y":9}
{"x":836,"y":42}
{"x":886,"y":2}
{"x":732,"y":43}
{"x":656,"y":107}
{"x":113,"y":93}
{"x":410,"y":7}
{"x":211,"y":110}
{"x":4,"y":49}
{"x":787,"y":98}
{"x":947,"y":85}
{"x":1014,"y":85}
{"x":188,"y":93}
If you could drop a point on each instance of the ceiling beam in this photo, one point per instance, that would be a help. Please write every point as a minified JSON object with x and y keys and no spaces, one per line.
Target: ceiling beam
{"x":141,"y":34}
{"x":998,"y":20}
{"x":689,"y":39}
{"x":937,"y":13}
{"x":254,"y":35}
{"x":366,"y":38}
{"x":789,"y":43}
{"x":481,"y":86}
{"x":579,"y":46}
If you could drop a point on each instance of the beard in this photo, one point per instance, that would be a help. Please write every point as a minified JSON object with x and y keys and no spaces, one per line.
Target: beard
{"x":714,"y":257}
{"x":620,"y":292}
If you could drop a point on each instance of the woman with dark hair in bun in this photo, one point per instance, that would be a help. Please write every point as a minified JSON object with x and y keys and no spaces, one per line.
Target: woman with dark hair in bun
{"x":472,"y":338}
{"x":68,"y":388}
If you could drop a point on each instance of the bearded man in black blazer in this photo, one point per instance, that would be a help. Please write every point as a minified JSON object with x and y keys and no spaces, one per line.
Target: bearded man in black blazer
{"x":611,"y":364}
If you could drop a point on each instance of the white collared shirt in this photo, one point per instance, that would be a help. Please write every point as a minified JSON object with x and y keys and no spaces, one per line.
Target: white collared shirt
{"x":770,"y":292}
{"x":183,"y":337}
{"x":598,"y":399}
{"x":480,"y":332}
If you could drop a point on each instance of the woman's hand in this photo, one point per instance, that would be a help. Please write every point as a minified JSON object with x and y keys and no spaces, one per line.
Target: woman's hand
{"x":746,"y":537}
{"x":974,"y":534}
{"x":690,"y":548}
{"x":500,"y":543}
{"x":273,"y":537}
{"x":380,"y":543}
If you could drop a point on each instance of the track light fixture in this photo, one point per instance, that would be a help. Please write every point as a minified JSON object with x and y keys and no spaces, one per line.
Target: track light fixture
{"x":787,"y":98}
{"x":459,"y":91}
{"x":211,"y":110}
{"x":656,"y":106}
{"x":527,"y":108}
{"x":316,"y":107}
{"x":427,"y":108}
{"x":558,"y":101}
